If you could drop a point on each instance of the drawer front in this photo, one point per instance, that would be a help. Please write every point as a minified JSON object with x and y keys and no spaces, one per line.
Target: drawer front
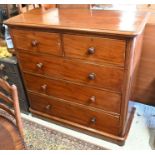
{"x":74,"y":113}
{"x":146,"y":7}
{"x":95,"y":49}
{"x":75,"y":93}
{"x":90,"y":74}
{"x":37,"y":41}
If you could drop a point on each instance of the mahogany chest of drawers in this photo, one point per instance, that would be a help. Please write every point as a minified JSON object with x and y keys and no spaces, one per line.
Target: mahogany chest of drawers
{"x":79,"y":66}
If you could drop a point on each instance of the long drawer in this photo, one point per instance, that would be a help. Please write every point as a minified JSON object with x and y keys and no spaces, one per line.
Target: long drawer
{"x":74,"y":113}
{"x":96,"y":49}
{"x":107,"y":77}
{"x":75,"y":93}
{"x":37,"y":41}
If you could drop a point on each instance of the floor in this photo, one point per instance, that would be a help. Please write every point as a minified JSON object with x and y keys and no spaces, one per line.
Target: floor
{"x":39,"y":137}
{"x":141,"y":135}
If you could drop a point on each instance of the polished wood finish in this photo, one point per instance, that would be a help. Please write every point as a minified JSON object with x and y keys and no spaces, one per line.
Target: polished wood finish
{"x":13,"y":133}
{"x":95,"y":49}
{"x":75,"y":113}
{"x":72,"y":88}
{"x":9,"y":136}
{"x":145,"y":86}
{"x":146,"y":7}
{"x":36,"y":41}
{"x":120,"y":140}
{"x":104,"y":76}
{"x":48,"y":6}
{"x":92,"y":21}
{"x":73,"y":6}
{"x":74,"y":92}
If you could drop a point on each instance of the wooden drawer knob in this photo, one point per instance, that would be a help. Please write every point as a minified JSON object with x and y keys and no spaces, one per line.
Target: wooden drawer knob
{"x":44,"y":87}
{"x":2,"y":66}
{"x":5,"y":77}
{"x":34,"y":43}
{"x":92,"y":99}
{"x":149,"y":5}
{"x":39,"y":65}
{"x":92,"y":76}
{"x":93,"y":120}
{"x":91,"y":50}
{"x":48,"y":107}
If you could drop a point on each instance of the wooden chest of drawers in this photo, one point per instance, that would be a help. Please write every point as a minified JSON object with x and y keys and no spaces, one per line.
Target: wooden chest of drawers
{"x":79,"y":72}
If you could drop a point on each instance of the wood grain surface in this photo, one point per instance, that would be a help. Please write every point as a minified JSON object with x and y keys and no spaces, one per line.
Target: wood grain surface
{"x":36,"y":41}
{"x":75,"y":113}
{"x":145,"y":85}
{"x":105,"y":76}
{"x":108,"y":101}
{"x":97,"y":21}
{"x":60,"y":85}
{"x":103,"y":49}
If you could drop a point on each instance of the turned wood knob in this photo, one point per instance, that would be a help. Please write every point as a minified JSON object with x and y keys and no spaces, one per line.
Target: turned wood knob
{"x":92,"y":99}
{"x":34,"y":43}
{"x":5,"y":77}
{"x":149,"y":5}
{"x":2,"y":66}
{"x":92,"y":76}
{"x":44,"y":87}
{"x":48,"y":107}
{"x":39,"y":65}
{"x":93,"y":120}
{"x":91,"y":50}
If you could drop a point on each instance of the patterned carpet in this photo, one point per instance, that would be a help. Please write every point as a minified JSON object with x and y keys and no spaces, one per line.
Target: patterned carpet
{"x":38,"y":137}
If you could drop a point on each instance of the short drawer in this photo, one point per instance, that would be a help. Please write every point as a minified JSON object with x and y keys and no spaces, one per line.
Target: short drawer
{"x":107,"y":77}
{"x":146,"y":7}
{"x":96,"y":49}
{"x":88,"y":96}
{"x":74,"y":113}
{"x":37,"y":41}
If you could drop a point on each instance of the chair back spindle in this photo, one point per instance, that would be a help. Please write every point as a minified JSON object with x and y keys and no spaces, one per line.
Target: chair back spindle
{"x":11,"y":98}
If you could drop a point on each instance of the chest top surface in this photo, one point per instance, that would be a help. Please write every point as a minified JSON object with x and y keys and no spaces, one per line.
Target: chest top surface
{"x":101,"y":21}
